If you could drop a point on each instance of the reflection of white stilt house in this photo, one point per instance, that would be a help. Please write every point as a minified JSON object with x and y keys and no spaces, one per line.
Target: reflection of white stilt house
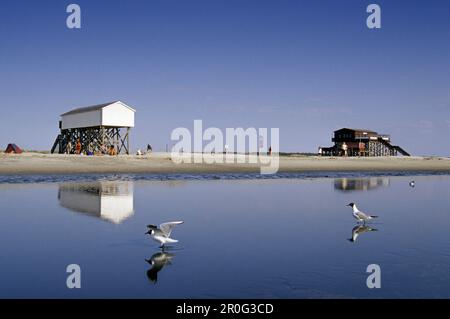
{"x":98,"y":128}
{"x":112,"y":201}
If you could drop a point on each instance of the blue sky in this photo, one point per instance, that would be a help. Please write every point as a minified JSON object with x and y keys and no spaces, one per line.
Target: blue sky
{"x":306,"y":67}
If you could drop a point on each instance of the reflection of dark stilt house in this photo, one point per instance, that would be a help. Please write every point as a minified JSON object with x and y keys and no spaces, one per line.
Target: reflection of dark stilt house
{"x":360,"y":184}
{"x":358,"y":142}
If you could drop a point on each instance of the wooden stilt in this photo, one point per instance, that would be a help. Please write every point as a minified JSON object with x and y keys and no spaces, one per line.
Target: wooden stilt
{"x":94,"y":139}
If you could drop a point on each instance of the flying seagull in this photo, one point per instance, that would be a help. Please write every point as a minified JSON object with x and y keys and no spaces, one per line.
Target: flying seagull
{"x":158,"y":261}
{"x":359,"y":215}
{"x":162,"y":233}
{"x":360,"y":229}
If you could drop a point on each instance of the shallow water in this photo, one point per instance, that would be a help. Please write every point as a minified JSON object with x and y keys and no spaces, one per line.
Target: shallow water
{"x":242,"y":237}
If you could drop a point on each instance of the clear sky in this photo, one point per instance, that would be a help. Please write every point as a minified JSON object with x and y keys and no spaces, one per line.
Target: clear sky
{"x":306,"y":67}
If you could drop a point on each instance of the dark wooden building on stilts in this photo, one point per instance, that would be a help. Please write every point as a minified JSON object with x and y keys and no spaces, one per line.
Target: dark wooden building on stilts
{"x":359,"y":142}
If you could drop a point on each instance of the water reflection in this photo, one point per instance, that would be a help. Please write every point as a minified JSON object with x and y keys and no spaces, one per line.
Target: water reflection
{"x":360,"y":184}
{"x":158,"y":261}
{"x":360,"y":229}
{"x":411,"y":242}
{"x":111,"y":201}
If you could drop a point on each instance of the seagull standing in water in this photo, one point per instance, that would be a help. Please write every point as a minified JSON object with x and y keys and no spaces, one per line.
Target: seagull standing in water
{"x":359,"y":215}
{"x":162,"y":233}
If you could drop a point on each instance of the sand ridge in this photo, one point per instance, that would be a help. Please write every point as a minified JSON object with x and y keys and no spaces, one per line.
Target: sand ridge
{"x":39,"y":163}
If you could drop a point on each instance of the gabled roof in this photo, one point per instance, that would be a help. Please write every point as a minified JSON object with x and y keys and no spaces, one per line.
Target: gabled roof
{"x":94,"y":108}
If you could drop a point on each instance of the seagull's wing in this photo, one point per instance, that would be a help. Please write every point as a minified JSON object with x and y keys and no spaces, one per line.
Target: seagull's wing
{"x":166,"y":228}
{"x":361,"y":215}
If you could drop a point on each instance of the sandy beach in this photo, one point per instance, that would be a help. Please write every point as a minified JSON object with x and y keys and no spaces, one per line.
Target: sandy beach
{"x":38,"y":163}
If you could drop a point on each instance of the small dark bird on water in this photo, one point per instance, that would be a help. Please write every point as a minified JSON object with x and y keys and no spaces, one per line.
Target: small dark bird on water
{"x":412,"y":184}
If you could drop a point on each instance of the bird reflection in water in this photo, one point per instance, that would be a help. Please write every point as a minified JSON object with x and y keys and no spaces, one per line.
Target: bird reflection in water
{"x":360,"y":229}
{"x":158,"y":261}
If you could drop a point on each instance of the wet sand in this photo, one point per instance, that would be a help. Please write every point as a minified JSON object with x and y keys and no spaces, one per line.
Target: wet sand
{"x":37,"y":163}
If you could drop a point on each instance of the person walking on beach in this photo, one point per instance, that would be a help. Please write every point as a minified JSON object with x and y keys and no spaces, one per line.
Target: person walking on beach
{"x":149,"y":148}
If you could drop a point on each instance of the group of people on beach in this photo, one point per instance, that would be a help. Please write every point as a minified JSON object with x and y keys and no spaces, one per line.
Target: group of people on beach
{"x":89,"y":150}
{"x":149,"y":150}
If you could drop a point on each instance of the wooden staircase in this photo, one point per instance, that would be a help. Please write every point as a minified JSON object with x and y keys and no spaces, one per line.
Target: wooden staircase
{"x":393,"y":147}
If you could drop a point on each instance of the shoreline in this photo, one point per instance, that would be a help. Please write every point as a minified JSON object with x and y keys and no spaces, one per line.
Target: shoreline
{"x":161,"y":163}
